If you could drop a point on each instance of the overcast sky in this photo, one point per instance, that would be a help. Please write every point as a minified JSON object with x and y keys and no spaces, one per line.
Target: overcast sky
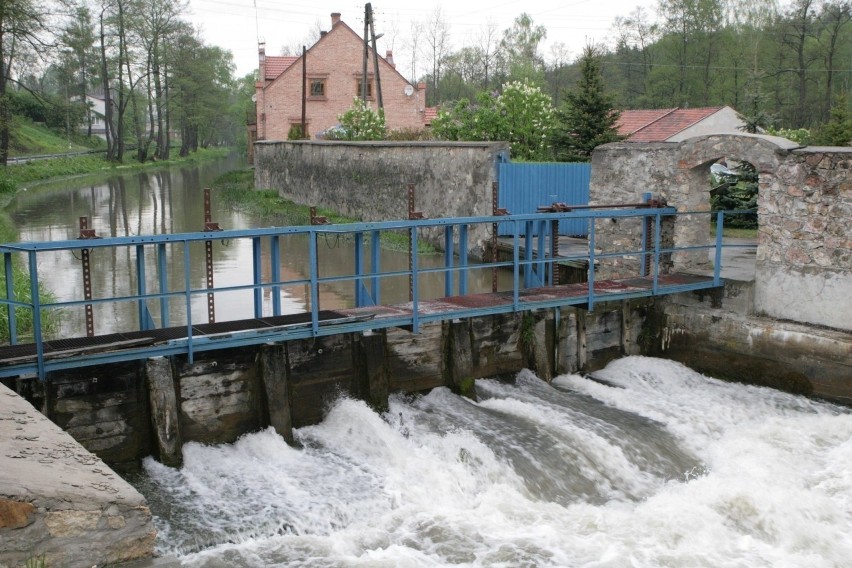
{"x":237,"y":25}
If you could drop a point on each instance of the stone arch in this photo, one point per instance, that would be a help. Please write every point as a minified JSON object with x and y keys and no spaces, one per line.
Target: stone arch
{"x":678,"y":173}
{"x":689,"y":191}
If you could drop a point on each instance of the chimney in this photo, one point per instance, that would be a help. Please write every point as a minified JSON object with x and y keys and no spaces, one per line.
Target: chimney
{"x":335,"y":19}
{"x":261,"y":60}
{"x":389,"y":58}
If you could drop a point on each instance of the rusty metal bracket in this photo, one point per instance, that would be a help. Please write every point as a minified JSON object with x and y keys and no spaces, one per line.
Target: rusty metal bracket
{"x":412,"y":214}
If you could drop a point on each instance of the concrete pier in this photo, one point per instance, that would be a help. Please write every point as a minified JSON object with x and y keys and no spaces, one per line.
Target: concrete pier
{"x":60,"y":503}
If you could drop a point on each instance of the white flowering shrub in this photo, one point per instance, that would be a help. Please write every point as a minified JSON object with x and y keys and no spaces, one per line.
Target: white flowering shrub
{"x":360,"y":122}
{"x":522,"y":115}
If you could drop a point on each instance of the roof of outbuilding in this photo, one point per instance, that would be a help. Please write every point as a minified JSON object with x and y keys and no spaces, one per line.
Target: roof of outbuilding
{"x":646,"y":125}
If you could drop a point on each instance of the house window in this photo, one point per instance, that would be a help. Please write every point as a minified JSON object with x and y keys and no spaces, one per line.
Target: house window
{"x":317,"y":88}
{"x":358,"y":93}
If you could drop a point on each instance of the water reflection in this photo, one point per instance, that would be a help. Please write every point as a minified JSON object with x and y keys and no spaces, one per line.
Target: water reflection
{"x":172,"y":201}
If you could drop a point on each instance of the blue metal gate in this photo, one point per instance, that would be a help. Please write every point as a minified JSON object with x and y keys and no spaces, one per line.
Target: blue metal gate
{"x":524,"y":187}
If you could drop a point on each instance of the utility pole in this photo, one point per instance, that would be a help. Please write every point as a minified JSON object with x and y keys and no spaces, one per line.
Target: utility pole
{"x":375,"y":59}
{"x":304,"y":91}
{"x":368,"y":15}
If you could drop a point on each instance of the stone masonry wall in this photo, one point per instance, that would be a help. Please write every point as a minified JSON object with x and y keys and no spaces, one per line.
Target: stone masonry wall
{"x":369,"y":180}
{"x":804,"y":261}
{"x":804,"y":255}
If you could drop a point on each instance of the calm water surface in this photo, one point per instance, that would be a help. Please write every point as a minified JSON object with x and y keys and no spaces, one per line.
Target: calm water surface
{"x":172,"y":201}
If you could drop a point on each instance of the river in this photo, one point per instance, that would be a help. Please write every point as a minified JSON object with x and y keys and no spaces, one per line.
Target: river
{"x":172,"y":201}
{"x":651,"y":465}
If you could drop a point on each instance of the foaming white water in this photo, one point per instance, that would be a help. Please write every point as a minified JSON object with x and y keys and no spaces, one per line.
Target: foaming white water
{"x":654,"y":465}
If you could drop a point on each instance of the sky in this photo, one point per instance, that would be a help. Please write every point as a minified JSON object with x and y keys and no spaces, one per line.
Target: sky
{"x":237,"y":25}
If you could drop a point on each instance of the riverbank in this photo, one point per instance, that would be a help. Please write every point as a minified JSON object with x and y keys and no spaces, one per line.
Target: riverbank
{"x":18,"y":177}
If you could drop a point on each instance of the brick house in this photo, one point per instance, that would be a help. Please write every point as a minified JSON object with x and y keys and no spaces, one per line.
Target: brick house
{"x":334,"y":71}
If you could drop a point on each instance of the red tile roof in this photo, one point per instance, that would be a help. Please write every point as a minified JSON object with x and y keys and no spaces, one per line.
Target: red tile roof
{"x":429,"y":114}
{"x":277,"y":64}
{"x":660,"y":125}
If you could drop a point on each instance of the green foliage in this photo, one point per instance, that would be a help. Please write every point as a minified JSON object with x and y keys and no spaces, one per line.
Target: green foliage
{"x":360,"y":122}
{"x":295,"y":132}
{"x":756,"y":118}
{"x":740,"y":194}
{"x":838,"y":130}
{"x":522,"y":115}
{"x":24,"y":316}
{"x":800,"y":135}
{"x":588,"y":116}
{"x":28,"y":138}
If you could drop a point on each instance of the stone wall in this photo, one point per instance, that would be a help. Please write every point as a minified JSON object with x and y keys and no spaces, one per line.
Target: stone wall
{"x":59,"y":504}
{"x":804,"y":263}
{"x":369,"y":180}
{"x":804,"y":258}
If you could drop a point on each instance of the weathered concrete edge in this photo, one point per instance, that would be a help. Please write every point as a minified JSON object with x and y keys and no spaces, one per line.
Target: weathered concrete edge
{"x":61,"y":503}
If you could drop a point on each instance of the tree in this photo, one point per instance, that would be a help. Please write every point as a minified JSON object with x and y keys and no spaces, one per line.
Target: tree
{"x":437,"y":37}
{"x":522,"y":115}
{"x":520,"y":45}
{"x":756,"y":119}
{"x":838,"y":130}
{"x":587,"y":118}
{"x":22,"y":26}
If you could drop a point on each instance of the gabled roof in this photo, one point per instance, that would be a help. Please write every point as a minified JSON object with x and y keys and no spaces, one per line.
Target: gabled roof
{"x":277,"y":64}
{"x":659,"y":125}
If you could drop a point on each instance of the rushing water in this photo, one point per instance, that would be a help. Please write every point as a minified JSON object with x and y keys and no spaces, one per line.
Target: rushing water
{"x":649,"y":465}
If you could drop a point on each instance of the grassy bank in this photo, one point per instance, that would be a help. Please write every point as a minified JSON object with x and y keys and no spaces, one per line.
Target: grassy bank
{"x":15,"y":176}
{"x":236,"y":189}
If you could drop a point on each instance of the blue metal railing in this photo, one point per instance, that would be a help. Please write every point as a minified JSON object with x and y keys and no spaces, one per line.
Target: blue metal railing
{"x":531,"y":265}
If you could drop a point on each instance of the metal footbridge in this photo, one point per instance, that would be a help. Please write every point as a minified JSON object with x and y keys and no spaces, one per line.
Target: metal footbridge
{"x":166,"y":299}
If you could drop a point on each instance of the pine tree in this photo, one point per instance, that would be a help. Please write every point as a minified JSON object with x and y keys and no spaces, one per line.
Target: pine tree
{"x":588,"y":115}
{"x":838,"y":130}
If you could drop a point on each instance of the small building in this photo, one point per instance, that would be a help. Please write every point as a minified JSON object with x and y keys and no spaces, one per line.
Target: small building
{"x":677,"y":124}
{"x":333,"y":74}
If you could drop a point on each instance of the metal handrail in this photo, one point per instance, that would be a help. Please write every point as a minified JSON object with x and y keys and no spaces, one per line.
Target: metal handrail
{"x":528,"y":271}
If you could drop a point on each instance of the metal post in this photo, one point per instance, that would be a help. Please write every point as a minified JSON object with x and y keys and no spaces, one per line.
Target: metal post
{"x":258,"y":277}
{"x":462,"y":260}
{"x":591,"y":277}
{"x":86,"y":233}
{"x":275,"y":259}
{"x":646,"y":238}
{"x":187,"y":292}
{"x":555,"y":277}
{"x":717,"y":265}
{"x":448,"y":260}
{"x":314,"y":284}
{"x":163,"y":277}
{"x":140,"y":287}
{"x":10,"y":296}
{"x":412,"y":241}
{"x":36,"y":303}
{"x":415,"y":287}
{"x":360,"y":301}
{"x":375,"y":266}
{"x":657,"y":231}
{"x":494,"y":211}
{"x":208,"y":256}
